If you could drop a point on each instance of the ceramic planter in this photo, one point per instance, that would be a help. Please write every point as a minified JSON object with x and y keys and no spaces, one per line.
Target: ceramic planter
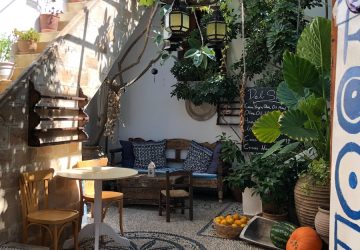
{"x":49,"y":22}
{"x":322,"y":219}
{"x":308,"y":197}
{"x":6,"y":70}
{"x":26,"y":47}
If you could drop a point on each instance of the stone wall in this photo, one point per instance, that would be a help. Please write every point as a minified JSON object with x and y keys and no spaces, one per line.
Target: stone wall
{"x":81,"y":56}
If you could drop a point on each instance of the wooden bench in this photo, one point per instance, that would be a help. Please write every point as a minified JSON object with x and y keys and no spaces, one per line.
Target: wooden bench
{"x":179,"y":146}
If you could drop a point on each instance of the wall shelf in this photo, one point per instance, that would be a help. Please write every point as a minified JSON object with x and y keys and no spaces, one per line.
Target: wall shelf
{"x":52,"y":123}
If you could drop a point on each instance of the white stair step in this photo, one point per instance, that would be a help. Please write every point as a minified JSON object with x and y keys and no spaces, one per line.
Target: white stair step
{"x":24,"y":60}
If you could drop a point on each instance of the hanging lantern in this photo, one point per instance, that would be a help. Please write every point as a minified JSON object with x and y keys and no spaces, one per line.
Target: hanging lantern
{"x":216,"y":28}
{"x":177,"y":21}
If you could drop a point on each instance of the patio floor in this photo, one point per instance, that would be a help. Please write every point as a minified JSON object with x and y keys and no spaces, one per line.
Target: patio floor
{"x":147,"y":230}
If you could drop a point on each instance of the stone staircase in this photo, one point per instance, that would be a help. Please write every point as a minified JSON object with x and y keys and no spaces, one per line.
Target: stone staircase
{"x":23,"y":61}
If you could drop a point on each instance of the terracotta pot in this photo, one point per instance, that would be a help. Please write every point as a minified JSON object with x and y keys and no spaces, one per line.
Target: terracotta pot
{"x":26,"y":46}
{"x":49,"y":22}
{"x":6,"y":70}
{"x":308,"y":197}
{"x":322,"y":219}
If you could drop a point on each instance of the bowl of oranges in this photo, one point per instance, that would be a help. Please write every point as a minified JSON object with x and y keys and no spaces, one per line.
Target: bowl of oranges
{"x":230,"y":226}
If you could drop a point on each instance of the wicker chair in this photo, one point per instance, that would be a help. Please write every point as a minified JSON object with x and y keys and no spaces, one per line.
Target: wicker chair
{"x":175,"y":194}
{"x":32,"y":185}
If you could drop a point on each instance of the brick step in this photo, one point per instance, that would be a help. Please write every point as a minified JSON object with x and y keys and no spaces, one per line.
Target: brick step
{"x":48,"y":36}
{"x":67,"y":16}
{"x":17,"y":72}
{"x":62,"y":24}
{"x":4,"y":84}
{"x":75,"y":7}
{"x":24,"y":60}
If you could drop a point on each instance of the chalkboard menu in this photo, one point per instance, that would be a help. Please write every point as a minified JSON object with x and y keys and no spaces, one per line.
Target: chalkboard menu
{"x":258,"y":101}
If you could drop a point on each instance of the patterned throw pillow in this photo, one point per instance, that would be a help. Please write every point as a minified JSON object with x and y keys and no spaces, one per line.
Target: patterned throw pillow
{"x":198,"y":158}
{"x":146,"y":152}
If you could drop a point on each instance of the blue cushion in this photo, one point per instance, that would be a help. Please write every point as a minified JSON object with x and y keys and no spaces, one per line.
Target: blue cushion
{"x":198,"y":158}
{"x":127,"y":156}
{"x":212,"y":169}
{"x":146,"y":152}
{"x":204,"y":176}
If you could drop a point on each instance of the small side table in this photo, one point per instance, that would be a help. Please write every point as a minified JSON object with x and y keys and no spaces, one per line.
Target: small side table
{"x":98,"y":175}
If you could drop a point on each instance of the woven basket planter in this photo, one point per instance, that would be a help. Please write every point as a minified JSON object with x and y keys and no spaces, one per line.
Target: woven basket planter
{"x":308,"y":197}
{"x":227,"y":231}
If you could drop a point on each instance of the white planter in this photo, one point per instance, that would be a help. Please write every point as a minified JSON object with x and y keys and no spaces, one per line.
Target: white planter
{"x":6,"y":70}
{"x":252,"y":204}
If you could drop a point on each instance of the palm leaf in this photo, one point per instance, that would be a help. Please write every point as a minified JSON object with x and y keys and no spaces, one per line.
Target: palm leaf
{"x":292,"y":124}
{"x":314,"y":43}
{"x":266,"y":128}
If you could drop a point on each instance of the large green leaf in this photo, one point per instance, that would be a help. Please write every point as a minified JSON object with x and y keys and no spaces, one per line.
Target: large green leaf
{"x":292,"y":123}
{"x":299,"y":73}
{"x":273,"y":149}
{"x":315,"y":43}
{"x":313,"y":107}
{"x":286,"y":96}
{"x":266,"y":128}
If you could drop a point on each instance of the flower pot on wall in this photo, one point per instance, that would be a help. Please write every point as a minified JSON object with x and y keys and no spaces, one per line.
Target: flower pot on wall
{"x":25,"y":46}
{"x":6,"y":70}
{"x":49,"y":22}
{"x":322,"y":219}
{"x":308,"y":197}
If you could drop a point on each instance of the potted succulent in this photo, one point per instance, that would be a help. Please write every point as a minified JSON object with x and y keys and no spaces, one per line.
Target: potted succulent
{"x":49,"y":18}
{"x":26,"y":40}
{"x":306,"y":93}
{"x":6,"y":67}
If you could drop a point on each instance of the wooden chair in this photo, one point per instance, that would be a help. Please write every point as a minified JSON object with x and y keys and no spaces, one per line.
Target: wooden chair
{"x":175,"y":194}
{"x":108,"y":197}
{"x":33,"y":185}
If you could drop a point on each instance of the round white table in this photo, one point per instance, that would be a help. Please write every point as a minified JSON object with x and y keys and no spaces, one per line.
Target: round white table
{"x":98,"y":174}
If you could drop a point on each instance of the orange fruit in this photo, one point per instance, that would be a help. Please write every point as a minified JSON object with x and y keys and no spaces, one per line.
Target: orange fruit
{"x":242,"y":225}
{"x":223,"y":222}
{"x":238,"y":222}
{"x":229,"y":220}
{"x":221,"y":217}
{"x":234,"y":225}
{"x":218,"y":220}
{"x":236,"y":216}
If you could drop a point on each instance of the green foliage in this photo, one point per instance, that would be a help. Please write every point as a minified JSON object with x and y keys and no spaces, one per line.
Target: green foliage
{"x":319,"y":172}
{"x":5,"y":48}
{"x":28,"y":35}
{"x":305,"y":92}
{"x":272,"y":174}
{"x":146,"y":3}
{"x":184,"y":70}
{"x":271,"y":28}
{"x":212,"y":90}
{"x":230,"y":149}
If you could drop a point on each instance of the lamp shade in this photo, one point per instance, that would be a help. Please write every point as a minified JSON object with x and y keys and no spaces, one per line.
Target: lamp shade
{"x":177,"y":21}
{"x":216,"y":27}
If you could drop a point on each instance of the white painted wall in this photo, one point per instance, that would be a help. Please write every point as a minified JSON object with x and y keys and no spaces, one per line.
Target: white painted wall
{"x":24,"y":14}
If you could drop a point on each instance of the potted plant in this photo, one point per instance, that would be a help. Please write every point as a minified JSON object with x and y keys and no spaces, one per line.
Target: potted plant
{"x":49,"y":18}
{"x":26,"y":40}
{"x":231,"y":156}
{"x":6,"y":67}
{"x":306,"y":93}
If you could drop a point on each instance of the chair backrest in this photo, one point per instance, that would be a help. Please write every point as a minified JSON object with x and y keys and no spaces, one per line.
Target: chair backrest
{"x":186,"y":181}
{"x":88,"y":186}
{"x":33,"y":185}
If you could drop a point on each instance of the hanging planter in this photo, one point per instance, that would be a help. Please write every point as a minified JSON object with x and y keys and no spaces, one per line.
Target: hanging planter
{"x":49,"y":22}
